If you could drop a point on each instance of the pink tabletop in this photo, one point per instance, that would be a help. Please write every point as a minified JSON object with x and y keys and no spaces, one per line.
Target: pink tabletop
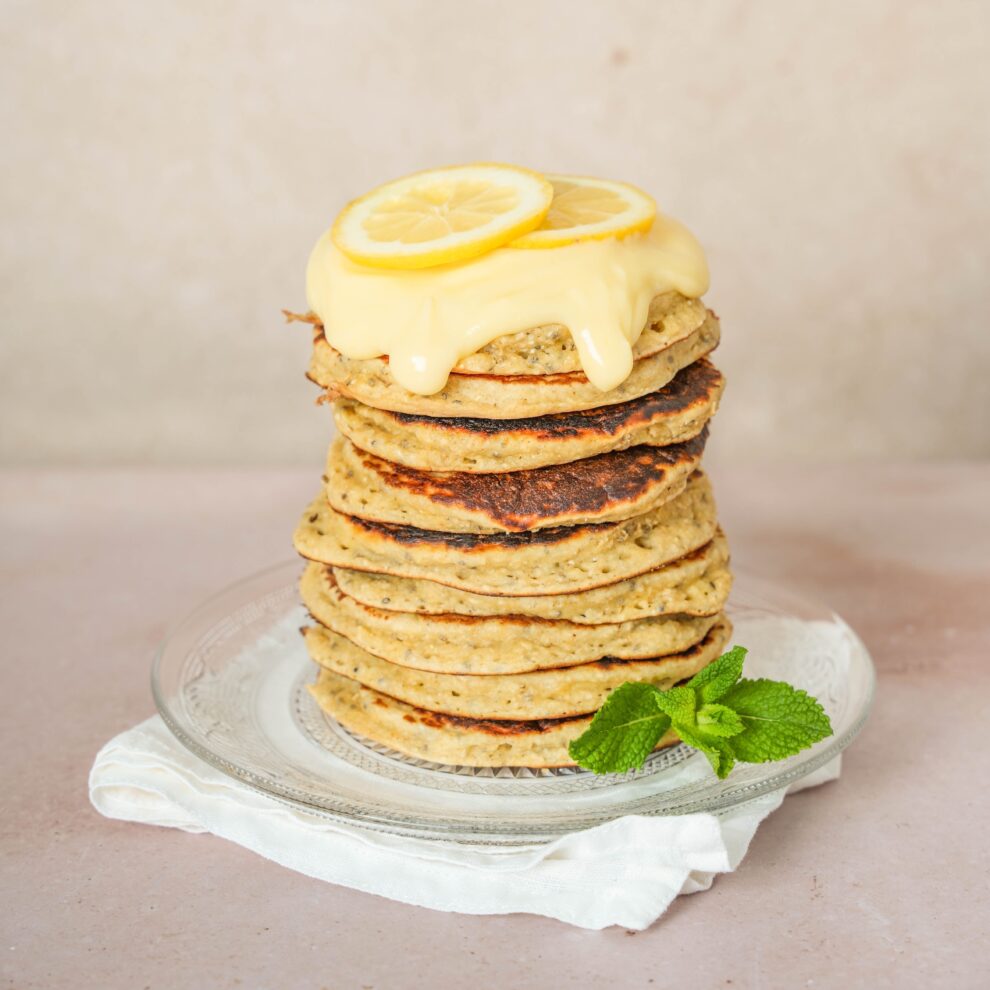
{"x":877,"y":880}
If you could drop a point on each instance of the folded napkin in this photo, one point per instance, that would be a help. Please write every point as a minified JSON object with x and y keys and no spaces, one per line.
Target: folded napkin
{"x":623,"y":873}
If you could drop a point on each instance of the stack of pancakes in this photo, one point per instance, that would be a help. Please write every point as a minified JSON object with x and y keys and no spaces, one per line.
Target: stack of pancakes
{"x":487,"y":563}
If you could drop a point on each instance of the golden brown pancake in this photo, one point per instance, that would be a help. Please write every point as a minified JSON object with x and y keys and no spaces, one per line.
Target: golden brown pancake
{"x":501,"y":644}
{"x":554,"y":693}
{"x":696,"y":584}
{"x":550,"y":349}
{"x":447,"y":739}
{"x":545,"y":561}
{"x":502,"y":396}
{"x":613,"y":486}
{"x":674,"y":414}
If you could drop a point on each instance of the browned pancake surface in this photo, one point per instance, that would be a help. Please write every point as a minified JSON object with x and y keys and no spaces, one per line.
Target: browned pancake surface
{"x":519,"y":500}
{"x":692,"y":387}
{"x":474,"y":542}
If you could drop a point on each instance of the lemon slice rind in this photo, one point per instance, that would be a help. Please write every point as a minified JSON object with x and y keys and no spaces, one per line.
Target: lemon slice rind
{"x":392,"y":226}
{"x":613,"y":209}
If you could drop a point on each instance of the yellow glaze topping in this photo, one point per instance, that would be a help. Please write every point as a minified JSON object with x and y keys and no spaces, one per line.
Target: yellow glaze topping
{"x":426,"y":320}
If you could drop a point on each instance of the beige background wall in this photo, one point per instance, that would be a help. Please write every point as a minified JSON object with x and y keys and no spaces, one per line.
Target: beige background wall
{"x":167,"y":166}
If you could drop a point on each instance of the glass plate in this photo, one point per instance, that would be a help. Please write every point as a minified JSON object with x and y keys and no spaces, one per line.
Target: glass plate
{"x":230,"y":681}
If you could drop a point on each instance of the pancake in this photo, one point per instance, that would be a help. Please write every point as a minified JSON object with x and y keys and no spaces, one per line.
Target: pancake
{"x":447,"y":739}
{"x":501,"y":644}
{"x":554,"y":693}
{"x":506,"y":396}
{"x":696,"y":584}
{"x":550,"y":349}
{"x":613,"y":486}
{"x":543,"y":562}
{"x":675,"y":413}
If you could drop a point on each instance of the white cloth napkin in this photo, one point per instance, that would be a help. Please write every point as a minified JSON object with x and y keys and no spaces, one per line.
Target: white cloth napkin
{"x":623,"y":873}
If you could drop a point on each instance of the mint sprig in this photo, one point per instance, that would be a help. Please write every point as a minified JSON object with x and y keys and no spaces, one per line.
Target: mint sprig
{"x":718,"y":712}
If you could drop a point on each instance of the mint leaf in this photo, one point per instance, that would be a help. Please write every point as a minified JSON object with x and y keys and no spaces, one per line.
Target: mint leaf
{"x":677,"y":702}
{"x":690,"y":735}
{"x":713,"y":681}
{"x":718,"y":720}
{"x":779,"y":720}
{"x":705,"y":729}
{"x":721,"y":759}
{"x":623,"y":733}
{"x":716,"y":750}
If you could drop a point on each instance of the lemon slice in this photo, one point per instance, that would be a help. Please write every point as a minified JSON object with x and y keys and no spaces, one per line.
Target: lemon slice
{"x":442,"y":215}
{"x":590,"y":209}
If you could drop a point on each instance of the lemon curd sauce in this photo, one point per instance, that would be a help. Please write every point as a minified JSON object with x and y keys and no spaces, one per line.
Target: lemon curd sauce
{"x":425,"y":320}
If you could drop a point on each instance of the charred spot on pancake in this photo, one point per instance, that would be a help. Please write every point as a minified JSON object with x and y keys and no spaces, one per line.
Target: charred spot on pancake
{"x":692,"y":387}
{"x":492,"y":726}
{"x":606,"y":662}
{"x":518,"y":500}
{"x":408,"y":535}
